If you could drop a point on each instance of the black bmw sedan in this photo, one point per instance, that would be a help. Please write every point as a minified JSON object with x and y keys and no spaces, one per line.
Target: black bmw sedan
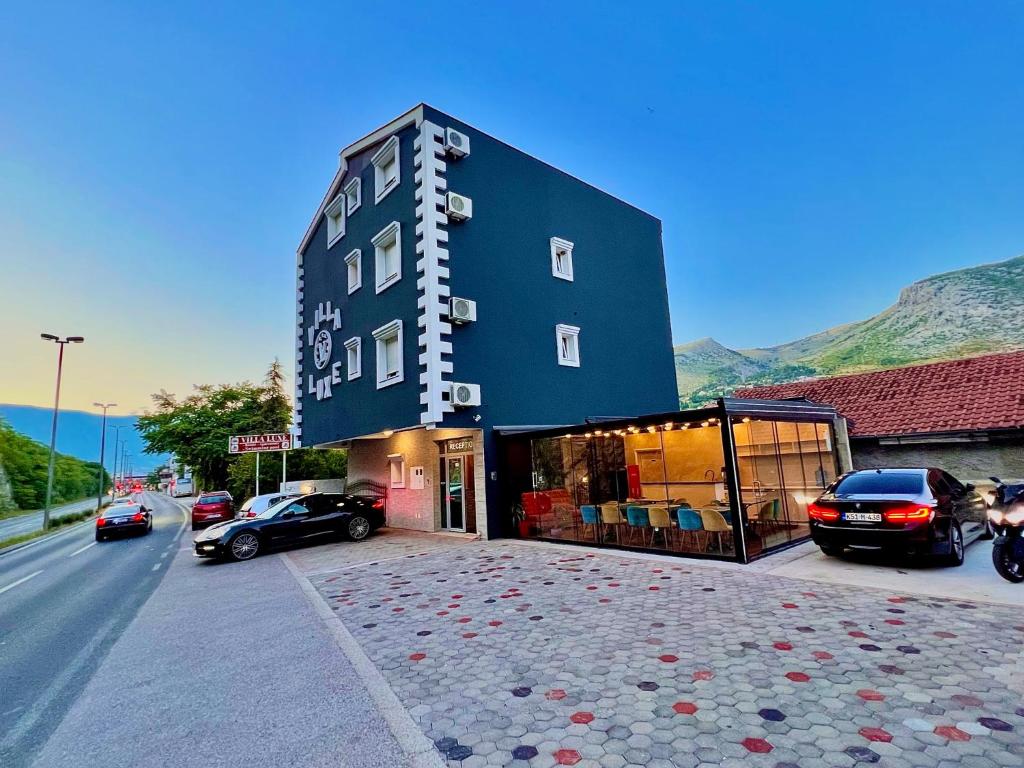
{"x":914,"y":511}
{"x":312,"y":519}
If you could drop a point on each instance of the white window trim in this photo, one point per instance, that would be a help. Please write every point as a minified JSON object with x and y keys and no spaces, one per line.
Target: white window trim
{"x":557,"y":244}
{"x":355,"y":257}
{"x":354,"y":189}
{"x":392,"y":231}
{"x":396,"y":460}
{"x":383,"y":155}
{"x":392,"y":329}
{"x":572,"y":333}
{"x":335,"y":213}
{"x":354,"y":344}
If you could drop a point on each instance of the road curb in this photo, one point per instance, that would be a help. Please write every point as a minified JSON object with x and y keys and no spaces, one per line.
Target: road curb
{"x":417,"y":748}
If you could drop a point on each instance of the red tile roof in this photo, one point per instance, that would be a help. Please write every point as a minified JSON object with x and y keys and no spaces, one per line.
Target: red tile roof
{"x":977,"y":393}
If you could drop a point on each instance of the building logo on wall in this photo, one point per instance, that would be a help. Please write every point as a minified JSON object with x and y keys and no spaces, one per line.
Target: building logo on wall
{"x":323,"y":346}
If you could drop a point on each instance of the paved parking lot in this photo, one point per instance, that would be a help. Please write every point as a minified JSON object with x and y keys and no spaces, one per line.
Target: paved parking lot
{"x":515,"y":654}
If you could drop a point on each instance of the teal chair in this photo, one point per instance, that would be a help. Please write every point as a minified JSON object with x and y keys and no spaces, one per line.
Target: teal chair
{"x":638,"y":517}
{"x":689,"y":523}
{"x":590,"y":517}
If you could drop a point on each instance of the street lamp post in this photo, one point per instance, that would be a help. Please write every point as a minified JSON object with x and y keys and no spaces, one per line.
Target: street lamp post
{"x":117,"y":451}
{"x":56,"y":407}
{"x":103,"y":446}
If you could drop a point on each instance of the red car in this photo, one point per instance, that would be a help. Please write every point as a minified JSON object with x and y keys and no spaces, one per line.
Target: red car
{"x":212,"y":507}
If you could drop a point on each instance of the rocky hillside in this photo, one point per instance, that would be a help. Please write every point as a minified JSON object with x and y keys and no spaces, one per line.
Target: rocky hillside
{"x":955,"y":314}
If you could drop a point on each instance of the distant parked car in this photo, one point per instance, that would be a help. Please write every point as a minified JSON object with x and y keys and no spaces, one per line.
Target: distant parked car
{"x":309,"y":519}
{"x":119,"y":519}
{"x":123,"y":500}
{"x":212,"y":507}
{"x":918,"y":511}
{"x":257,"y":504}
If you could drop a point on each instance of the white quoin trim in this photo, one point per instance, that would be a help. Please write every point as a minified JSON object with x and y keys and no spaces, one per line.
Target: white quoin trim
{"x":299,"y":348}
{"x":431,"y":267}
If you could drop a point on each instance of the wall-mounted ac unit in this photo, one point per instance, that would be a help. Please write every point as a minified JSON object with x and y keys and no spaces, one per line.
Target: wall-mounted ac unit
{"x":465,"y":395}
{"x":458,"y":207}
{"x":456,"y":144}
{"x":461,"y":310}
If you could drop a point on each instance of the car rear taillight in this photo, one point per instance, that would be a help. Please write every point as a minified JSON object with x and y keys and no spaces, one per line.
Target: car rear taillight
{"x":378,"y":504}
{"x":137,"y":517}
{"x":822,"y":514}
{"x":250,"y":513}
{"x":100,"y":522}
{"x":908,"y":513}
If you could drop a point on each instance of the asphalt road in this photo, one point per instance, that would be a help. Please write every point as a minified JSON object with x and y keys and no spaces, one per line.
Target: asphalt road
{"x":64,"y":601}
{"x":33,"y":521}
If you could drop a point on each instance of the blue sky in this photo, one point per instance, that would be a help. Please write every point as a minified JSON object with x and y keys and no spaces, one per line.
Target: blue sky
{"x":807,"y":159}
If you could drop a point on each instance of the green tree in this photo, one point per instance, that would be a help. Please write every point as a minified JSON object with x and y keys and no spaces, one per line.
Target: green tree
{"x":303,"y":464}
{"x":196,"y":429}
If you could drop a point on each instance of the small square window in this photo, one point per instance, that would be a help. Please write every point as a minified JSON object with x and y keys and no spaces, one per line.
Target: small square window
{"x":567,"y":339}
{"x":387,"y":249}
{"x":561,"y":258}
{"x":354,"y":357}
{"x":353,"y":194}
{"x":397,"y":466}
{"x":390,"y":366}
{"x":354,"y":270}
{"x":387,"y":171}
{"x":335,"y":213}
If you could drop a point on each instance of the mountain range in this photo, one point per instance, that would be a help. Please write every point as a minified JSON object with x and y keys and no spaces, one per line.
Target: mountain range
{"x":78,"y":434}
{"x":947,"y":316}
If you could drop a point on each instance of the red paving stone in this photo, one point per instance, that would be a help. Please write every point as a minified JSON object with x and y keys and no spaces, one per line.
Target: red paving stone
{"x":757,"y":745}
{"x":684,"y":707}
{"x":582,"y":718}
{"x":567,"y":757}
{"x":875,"y":734}
{"x":952,"y":733}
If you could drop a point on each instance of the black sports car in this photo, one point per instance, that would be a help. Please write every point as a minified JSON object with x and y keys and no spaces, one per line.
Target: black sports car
{"x":119,"y":519}
{"x":307,"y":519}
{"x":915,"y":510}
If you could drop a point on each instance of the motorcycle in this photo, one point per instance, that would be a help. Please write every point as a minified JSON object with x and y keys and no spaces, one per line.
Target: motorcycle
{"x":1006,"y":514}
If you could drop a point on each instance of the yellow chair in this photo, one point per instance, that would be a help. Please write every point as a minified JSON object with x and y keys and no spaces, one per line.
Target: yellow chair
{"x":714,"y":523}
{"x":660,"y":521}
{"x":610,"y":516}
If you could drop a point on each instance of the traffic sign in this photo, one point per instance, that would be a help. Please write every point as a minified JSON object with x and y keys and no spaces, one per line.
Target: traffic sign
{"x":259,"y":443}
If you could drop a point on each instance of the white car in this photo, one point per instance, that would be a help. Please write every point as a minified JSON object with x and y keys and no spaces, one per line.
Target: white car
{"x":257,"y":504}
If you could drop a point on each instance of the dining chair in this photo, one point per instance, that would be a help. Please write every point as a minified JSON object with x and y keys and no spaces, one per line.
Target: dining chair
{"x":611,"y":518}
{"x":590,"y":519}
{"x":690,"y":524}
{"x":764,"y":517}
{"x":715,"y":523}
{"x":661,"y":521}
{"x":637,"y":517}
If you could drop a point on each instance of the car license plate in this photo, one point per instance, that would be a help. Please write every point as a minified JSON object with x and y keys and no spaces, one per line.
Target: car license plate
{"x":862,"y":517}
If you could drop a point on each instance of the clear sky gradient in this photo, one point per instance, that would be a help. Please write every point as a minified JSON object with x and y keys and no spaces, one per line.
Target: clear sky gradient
{"x":159,"y":163}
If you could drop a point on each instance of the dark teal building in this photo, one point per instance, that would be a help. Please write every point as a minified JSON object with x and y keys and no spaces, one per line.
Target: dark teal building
{"x":450,"y":285}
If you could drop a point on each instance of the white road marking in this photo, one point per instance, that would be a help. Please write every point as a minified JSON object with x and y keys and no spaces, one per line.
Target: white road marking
{"x":164,"y":554}
{"x":19,"y":581}
{"x":82,"y":549}
{"x":157,"y":567}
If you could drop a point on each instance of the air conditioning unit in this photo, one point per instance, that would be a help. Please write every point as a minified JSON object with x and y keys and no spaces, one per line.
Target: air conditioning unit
{"x":456,"y":144}
{"x":465,"y":395}
{"x":461,"y":310}
{"x":458,"y":207}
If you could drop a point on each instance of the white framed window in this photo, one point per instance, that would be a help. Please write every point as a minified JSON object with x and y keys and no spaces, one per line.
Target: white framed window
{"x":567,"y":339}
{"x":335,"y":212}
{"x":353,"y":194}
{"x":387,"y":250}
{"x":386,"y":169}
{"x":354,"y":357}
{"x":389,"y":354}
{"x":354,"y":270}
{"x":397,"y":467}
{"x":561,"y":258}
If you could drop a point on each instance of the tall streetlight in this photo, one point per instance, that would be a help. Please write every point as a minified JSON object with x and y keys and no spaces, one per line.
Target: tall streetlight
{"x":56,"y":407}
{"x":103,"y":446}
{"x":117,"y":451}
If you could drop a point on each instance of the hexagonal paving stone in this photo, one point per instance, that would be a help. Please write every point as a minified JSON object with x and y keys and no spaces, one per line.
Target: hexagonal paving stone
{"x":863,"y":754}
{"x":567,"y":757}
{"x":524,"y":752}
{"x":952,"y":733}
{"x":582,"y":718}
{"x":875,"y":734}
{"x":684,"y":707}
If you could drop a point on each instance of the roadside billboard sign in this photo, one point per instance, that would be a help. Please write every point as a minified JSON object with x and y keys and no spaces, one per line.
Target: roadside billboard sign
{"x":281,"y":441}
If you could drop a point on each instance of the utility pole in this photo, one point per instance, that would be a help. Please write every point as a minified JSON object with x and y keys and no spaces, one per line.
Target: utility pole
{"x":103,"y":445}
{"x":56,"y":408}
{"x":117,"y":451}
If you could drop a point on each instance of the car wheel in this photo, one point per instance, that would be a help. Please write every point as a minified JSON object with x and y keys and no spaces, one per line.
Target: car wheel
{"x":358,"y":528}
{"x":989,"y":532}
{"x":1006,"y":565}
{"x":830,"y":551}
{"x":956,"y":546}
{"x":244,"y":546}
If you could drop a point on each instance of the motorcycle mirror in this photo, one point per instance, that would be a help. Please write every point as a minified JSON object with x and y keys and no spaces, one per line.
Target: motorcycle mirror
{"x":994,"y":479}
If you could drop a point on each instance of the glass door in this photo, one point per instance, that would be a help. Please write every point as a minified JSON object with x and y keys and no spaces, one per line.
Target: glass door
{"x":453,"y":493}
